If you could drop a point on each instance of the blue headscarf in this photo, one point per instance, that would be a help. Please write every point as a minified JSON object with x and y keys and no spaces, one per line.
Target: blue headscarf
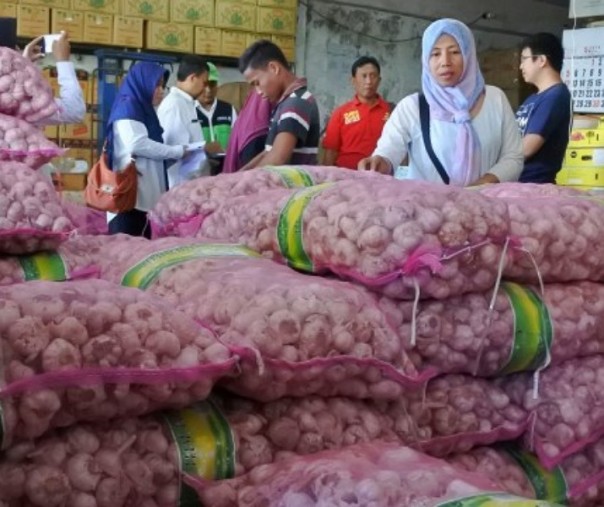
{"x":134,"y":101}
{"x":453,"y":103}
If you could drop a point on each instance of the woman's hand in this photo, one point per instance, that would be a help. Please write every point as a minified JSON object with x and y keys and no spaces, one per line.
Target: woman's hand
{"x":375,"y":163}
{"x":485,"y":179}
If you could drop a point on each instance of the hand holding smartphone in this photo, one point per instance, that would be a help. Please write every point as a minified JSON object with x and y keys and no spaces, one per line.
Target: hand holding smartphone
{"x":48,"y":40}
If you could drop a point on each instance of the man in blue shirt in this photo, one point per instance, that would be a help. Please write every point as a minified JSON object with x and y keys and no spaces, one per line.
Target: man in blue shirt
{"x":544,"y":117}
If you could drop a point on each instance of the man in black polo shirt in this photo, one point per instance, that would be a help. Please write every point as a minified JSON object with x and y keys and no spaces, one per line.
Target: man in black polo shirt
{"x":294,"y":130}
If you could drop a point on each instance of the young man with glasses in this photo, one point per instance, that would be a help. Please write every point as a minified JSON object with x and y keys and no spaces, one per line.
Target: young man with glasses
{"x":544,"y":117}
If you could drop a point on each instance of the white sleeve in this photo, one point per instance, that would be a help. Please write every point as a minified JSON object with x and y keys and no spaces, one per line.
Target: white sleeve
{"x":134,"y":136}
{"x":396,"y":135}
{"x":70,"y":102}
{"x":234,"y":116}
{"x":511,"y":159}
{"x":175,"y":121}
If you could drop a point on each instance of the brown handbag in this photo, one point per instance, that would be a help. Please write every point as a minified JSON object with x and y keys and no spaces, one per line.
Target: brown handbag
{"x":111,"y":191}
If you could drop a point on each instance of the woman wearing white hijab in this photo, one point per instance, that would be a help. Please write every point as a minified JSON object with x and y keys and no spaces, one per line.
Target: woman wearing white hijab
{"x":472,"y":128}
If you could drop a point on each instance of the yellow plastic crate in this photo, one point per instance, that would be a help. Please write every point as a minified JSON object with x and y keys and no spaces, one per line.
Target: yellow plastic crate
{"x":584,"y":158}
{"x":581,"y":177}
{"x":585,"y":138}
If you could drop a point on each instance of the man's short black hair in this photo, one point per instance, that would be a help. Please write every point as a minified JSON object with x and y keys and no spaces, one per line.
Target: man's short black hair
{"x":546,"y":44}
{"x":259,"y":54}
{"x":365,"y":60}
{"x":191,"y":64}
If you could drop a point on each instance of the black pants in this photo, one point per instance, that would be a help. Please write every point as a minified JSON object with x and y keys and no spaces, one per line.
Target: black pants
{"x":133,"y":222}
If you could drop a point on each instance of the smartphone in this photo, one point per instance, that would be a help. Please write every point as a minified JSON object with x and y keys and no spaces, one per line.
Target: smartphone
{"x":8,"y":32}
{"x":48,"y":41}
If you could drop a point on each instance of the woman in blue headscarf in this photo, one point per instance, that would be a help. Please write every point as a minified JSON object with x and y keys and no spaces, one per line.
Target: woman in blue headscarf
{"x":471,"y":126}
{"x":134,"y":132}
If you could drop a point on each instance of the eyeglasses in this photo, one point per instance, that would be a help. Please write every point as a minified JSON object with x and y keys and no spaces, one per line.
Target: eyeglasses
{"x":523,"y":58}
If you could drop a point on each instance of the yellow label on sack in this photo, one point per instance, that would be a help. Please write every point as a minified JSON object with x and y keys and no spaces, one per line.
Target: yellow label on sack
{"x":549,"y":485}
{"x":146,"y":271}
{"x":205,"y":444}
{"x":291,"y":225}
{"x":43,"y":266}
{"x":293,"y":177}
{"x":496,"y":500}
{"x":533,"y":330}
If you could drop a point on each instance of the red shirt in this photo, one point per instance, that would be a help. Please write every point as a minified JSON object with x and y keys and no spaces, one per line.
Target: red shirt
{"x":354,"y":129}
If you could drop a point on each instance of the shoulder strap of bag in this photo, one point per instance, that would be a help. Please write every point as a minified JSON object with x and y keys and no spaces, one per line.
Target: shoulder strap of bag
{"x":424,"y":119}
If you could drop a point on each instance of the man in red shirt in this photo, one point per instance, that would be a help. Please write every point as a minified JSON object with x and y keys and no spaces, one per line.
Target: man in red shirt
{"x":355,"y":127}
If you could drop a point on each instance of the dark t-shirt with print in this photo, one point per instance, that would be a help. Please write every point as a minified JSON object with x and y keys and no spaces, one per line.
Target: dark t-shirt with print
{"x":548,"y":115}
{"x":297,"y":114}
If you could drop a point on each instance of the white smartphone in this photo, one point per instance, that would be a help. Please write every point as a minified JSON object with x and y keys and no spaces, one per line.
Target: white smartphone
{"x":48,"y":42}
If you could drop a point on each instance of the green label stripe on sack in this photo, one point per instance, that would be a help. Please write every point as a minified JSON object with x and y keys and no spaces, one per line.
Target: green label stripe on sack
{"x":146,"y":271}
{"x":496,"y":500}
{"x":549,"y":485}
{"x":290,"y":227}
{"x":205,"y":444}
{"x":533,"y":330}
{"x":43,"y":266}
{"x":293,"y":177}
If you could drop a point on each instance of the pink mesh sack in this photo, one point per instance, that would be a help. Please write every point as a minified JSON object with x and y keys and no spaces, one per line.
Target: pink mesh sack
{"x":135,"y":462}
{"x":376,"y":475}
{"x":454,"y":414}
{"x":567,"y":407}
{"x":74,"y":258}
{"x":555,"y":233}
{"x":179,"y":211}
{"x":24,"y":92}
{"x":31,"y":216}
{"x":295,"y":334}
{"x":521,"y":329}
{"x":398,"y":237}
{"x":577,"y":481}
{"x":90,"y":350}
{"x":23,"y":142}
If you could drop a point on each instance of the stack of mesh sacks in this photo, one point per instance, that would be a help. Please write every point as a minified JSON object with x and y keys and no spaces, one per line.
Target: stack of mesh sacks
{"x":497,"y":286}
{"x":82,"y":352}
{"x":346,"y":317}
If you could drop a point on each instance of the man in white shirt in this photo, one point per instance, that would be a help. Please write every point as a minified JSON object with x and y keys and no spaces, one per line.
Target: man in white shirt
{"x":71,"y":104}
{"x":178,"y":113}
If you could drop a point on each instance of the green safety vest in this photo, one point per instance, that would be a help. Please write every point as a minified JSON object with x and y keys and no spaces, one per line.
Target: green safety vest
{"x":220,"y":126}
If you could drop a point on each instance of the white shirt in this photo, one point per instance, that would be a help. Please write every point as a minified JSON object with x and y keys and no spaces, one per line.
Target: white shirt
{"x":495,"y":126}
{"x":209,"y":114}
{"x":131,"y":140}
{"x":178,"y":117}
{"x":70,"y":102}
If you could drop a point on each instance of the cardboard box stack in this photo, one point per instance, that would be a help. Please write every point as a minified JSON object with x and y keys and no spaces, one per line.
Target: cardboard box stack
{"x":207,"y":27}
{"x":501,"y":68}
